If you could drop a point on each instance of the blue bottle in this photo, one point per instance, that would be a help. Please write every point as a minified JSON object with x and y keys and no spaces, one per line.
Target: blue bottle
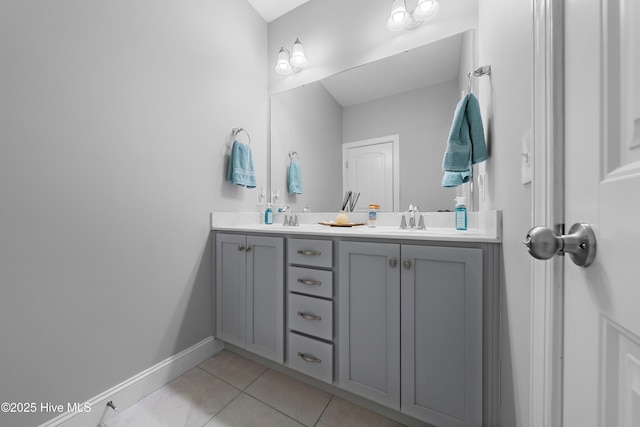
{"x":268,"y":214}
{"x":461,"y":213}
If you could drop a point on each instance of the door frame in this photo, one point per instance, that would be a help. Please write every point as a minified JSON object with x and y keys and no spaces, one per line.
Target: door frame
{"x":395,"y":140}
{"x":547,"y":277}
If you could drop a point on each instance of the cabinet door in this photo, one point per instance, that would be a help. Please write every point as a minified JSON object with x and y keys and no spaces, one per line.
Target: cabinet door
{"x":442,"y":335}
{"x":369,"y":325}
{"x":265,"y":297}
{"x":231,"y":296}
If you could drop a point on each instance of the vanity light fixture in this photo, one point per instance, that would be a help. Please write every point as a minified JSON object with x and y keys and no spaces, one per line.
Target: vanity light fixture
{"x":291,"y":62}
{"x":401,"y":19}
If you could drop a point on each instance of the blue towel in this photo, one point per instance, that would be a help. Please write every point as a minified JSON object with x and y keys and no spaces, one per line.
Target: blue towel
{"x":294,"y":178}
{"x":466,"y":145}
{"x":241,"y":170}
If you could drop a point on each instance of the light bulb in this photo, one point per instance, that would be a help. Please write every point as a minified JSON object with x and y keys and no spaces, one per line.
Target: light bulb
{"x":426,"y":9}
{"x":298,"y":60}
{"x":283,"y":66}
{"x":399,"y":17}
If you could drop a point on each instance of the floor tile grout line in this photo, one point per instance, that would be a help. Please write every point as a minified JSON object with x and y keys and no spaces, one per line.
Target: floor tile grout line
{"x":257,"y":377}
{"x":227,"y":382}
{"x":222,"y":409}
{"x":240,"y":392}
{"x":284,"y":413}
{"x":277,"y":410}
{"x":324,"y":410}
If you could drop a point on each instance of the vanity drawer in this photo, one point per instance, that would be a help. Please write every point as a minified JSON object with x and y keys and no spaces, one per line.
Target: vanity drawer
{"x":315,"y":253}
{"x":311,"y":357}
{"x":310,"y":281}
{"x":311,"y":316}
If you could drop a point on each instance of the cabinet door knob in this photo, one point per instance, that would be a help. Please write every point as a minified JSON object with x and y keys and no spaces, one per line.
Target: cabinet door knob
{"x":406,"y":264}
{"x":393,"y":262}
{"x":309,"y":358}
{"x":240,"y":248}
{"x":247,"y":248}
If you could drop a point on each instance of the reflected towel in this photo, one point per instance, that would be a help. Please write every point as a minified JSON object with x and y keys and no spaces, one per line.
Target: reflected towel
{"x":294,"y":178}
{"x":466,"y":145}
{"x":241,"y":170}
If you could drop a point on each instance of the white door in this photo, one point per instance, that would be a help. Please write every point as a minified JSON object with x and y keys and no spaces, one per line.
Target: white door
{"x":602,"y":158}
{"x":371,"y":169}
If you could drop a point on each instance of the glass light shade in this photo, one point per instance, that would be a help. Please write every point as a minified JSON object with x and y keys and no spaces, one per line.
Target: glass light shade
{"x":413,"y":23}
{"x":298,"y":60}
{"x":283,"y":66}
{"x":426,"y":9}
{"x":399,"y":17}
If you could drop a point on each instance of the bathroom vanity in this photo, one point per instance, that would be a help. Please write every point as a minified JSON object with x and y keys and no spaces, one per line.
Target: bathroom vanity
{"x":405,"y":318}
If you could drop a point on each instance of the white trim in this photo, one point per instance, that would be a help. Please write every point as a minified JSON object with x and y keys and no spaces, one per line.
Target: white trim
{"x":139,"y":386}
{"x":548,"y":210}
{"x":395,"y":140}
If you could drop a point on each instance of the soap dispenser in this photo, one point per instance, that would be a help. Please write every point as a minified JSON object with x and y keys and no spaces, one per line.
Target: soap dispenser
{"x":268,"y":214}
{"x":461,"y":213}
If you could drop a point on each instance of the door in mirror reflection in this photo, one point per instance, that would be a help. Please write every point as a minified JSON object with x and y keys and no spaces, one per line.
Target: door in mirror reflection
{"x":370,"y":167}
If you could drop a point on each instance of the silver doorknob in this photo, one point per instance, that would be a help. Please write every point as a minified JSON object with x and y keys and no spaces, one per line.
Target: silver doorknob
{"x":580,"y":244}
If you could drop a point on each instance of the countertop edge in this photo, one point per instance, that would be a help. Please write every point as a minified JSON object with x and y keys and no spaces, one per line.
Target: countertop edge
{"x":417,"y":235}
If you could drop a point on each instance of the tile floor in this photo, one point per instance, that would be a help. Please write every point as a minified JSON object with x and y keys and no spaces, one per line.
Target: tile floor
{"x":229,"y":390}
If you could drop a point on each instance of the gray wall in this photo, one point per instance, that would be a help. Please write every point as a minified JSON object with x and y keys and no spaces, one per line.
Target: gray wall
{"x":422,"y":118}
{"x":308,"y":120}
{"x":506,"y":42}
{"x":113,"y":121}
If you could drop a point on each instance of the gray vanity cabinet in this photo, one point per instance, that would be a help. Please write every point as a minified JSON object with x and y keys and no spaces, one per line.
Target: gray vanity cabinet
{"x":250,"y":293}
{"x":369,"y":326}
{"x":411,"y":329}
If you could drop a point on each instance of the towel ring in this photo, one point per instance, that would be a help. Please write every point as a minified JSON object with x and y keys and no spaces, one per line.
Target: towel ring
{"x":236,"y":131}
{"x":485,"y":70}
{"x":293,"y":153}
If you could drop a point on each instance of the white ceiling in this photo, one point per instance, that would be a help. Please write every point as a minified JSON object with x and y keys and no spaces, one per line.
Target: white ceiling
{"x":428,"y":65}
{"x":272,"y":9}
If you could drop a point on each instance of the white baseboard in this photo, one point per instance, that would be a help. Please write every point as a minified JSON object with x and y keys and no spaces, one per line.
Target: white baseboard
{"x":139,"y":386}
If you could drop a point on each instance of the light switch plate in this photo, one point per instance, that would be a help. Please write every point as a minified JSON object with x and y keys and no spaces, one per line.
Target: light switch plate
{"x":260,"y":196}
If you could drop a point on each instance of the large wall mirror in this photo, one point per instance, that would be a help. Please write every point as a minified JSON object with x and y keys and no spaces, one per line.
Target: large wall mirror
{"x":408,"y":98}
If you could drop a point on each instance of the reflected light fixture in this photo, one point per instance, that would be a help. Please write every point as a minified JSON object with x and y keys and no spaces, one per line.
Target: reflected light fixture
{"x":401,"y":19}
{"x":291,"y":62}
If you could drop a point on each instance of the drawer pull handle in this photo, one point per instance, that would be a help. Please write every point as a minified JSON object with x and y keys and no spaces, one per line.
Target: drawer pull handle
{"x":309,"y":316}
{"x":310,"y":282}
{"x":309,"y":253}
{"x":309,"y":358}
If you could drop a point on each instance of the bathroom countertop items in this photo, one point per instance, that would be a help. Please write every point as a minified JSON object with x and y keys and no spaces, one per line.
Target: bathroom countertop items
{"x":241,"y":171}
{"x":466,"y":145}
{"x":483,"y":226}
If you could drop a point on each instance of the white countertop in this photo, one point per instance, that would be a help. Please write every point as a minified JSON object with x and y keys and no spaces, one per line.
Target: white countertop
{"x":483,"y":226}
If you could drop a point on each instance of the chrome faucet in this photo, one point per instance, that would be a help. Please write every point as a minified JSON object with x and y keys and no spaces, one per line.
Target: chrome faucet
{"x":412,"y":219}
{"x":412,"y":216}
{"x":289,"y":219}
